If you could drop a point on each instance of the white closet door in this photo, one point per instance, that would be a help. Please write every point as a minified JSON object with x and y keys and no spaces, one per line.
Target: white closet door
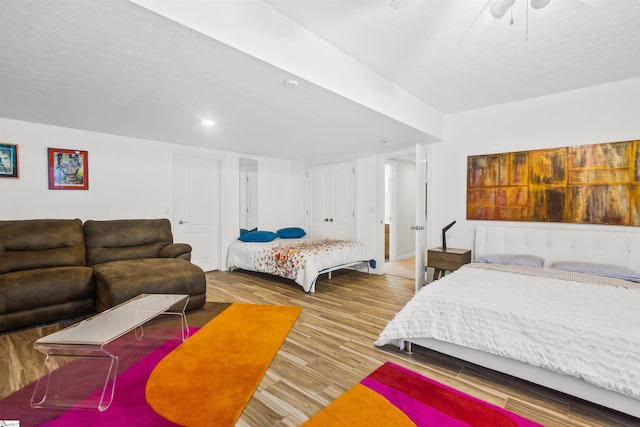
{"x":343,"y":218}
{"x":317,"y":210}
{"x":331,"y":201}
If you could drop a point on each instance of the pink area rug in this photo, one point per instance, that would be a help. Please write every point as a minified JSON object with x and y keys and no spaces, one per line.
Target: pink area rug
{"x":393,"y":395}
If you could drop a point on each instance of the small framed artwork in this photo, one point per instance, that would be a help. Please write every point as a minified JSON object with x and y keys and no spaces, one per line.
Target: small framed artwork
{"x":8,"y":161}
{"x":68,"y":169}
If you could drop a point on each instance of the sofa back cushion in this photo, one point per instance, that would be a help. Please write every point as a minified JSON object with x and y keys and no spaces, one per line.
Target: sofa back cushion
{"x":41,"y":243}
{"x":125,"y":239}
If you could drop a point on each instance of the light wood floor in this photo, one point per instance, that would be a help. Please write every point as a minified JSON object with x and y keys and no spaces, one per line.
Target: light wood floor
{"x":404,"y":268}
{"x":330,"y":349}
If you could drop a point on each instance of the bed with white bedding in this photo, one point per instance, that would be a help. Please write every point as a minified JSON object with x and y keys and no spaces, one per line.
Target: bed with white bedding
{"x":301,"y":259}
{"x":575,"y":332}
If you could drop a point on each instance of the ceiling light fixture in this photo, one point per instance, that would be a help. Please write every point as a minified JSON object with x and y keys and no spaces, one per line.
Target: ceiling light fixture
{"x":208,"y":123}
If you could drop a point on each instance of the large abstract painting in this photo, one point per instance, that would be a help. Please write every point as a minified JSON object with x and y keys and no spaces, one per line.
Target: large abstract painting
{"x":590,"y":184}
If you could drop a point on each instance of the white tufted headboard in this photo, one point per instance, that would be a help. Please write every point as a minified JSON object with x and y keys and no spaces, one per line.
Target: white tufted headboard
{"x":607,"y":247}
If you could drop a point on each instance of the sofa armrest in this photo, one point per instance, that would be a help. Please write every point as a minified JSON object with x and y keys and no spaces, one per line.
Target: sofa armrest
{"x":176,"y":250}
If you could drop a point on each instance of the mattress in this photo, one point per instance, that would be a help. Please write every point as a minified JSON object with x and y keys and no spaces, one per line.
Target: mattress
{"x":560,"y":322}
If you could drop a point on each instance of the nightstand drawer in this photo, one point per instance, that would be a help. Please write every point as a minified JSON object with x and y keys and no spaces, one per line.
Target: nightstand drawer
{"x":444,"y":265}
{"x":447,"y":256}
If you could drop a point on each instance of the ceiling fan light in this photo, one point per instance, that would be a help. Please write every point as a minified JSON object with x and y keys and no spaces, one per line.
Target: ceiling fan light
{"x":539,"y":4}
{"x":500,"y":7}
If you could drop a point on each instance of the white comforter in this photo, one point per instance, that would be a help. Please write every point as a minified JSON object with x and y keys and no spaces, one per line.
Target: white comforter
{"x":301,"y":260}
{"x":590,"y":331}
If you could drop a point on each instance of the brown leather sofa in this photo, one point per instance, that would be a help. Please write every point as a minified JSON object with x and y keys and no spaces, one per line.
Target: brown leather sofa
{"x":51,"y":269}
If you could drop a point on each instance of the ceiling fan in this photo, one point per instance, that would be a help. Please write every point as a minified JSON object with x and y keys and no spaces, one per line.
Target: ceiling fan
{"x":498,"y":8}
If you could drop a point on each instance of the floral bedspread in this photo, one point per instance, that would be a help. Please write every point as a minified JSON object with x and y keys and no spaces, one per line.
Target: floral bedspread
{"x":301,"y":260}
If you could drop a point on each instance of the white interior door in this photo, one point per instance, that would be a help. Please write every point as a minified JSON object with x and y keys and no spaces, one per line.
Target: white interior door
{"x":196,"y":199}
{"x":249,"y":199}
{"x":421,"y":215}
{"x":252,"y":203}
{"x":248,"y":194}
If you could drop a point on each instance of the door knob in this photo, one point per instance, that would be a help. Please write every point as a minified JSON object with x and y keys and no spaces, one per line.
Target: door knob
{"x":183,"y":222}
{"x":330,"y":219}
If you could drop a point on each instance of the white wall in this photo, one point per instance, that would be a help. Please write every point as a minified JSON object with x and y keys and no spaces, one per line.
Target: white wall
{"x":129,"y":178}
{"x":599,"y":114}
{"x":369,"y":219}
{"x":275,"y":203}
{"x":132,"y":178}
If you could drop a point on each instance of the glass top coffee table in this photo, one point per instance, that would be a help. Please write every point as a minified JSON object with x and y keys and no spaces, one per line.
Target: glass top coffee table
{"x":87,"y":339}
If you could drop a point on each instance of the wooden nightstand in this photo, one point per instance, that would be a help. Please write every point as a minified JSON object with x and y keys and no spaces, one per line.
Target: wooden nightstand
{"x":447,"y":260}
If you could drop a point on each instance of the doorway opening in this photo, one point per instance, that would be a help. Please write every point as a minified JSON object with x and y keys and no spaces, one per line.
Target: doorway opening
{"x":400,"y":184}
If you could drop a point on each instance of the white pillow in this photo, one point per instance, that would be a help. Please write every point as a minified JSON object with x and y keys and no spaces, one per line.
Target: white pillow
{"x":512,"y":259}
{"x":608,"y":270}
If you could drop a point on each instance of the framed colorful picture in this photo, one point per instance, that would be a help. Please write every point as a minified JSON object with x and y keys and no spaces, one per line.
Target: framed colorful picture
{"x":68,"y":169}
{"x":8,"y":161}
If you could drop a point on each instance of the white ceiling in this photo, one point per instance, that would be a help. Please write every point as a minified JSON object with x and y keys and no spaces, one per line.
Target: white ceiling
{"x":437,"y":50}
{"x":115,"y":67}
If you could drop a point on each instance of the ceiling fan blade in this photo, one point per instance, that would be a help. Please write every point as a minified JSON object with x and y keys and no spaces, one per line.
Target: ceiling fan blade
{"x":399,"y":4}
{"x":484,"y":8}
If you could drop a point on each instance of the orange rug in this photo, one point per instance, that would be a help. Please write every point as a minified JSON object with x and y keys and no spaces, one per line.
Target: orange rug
{"x":209,"y":379}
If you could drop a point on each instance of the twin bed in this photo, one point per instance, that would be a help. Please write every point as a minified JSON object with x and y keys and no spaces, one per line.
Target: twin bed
{"x":565,"y":327}
{"x":299,"y":259}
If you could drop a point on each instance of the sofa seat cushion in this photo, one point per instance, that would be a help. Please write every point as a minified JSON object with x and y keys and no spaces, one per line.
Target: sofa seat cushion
{"x":29,"y":289}
{"x":43,"y":295}
{"x":119,"y":281}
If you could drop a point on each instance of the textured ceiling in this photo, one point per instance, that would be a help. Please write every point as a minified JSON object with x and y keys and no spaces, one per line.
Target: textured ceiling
{"x":454,"y":56}
{"x":114,"y":67}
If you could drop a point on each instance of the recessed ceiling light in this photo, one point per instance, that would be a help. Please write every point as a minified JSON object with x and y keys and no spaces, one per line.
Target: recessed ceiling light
{"x":208,"y":123}
{"x":290,"y":83}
